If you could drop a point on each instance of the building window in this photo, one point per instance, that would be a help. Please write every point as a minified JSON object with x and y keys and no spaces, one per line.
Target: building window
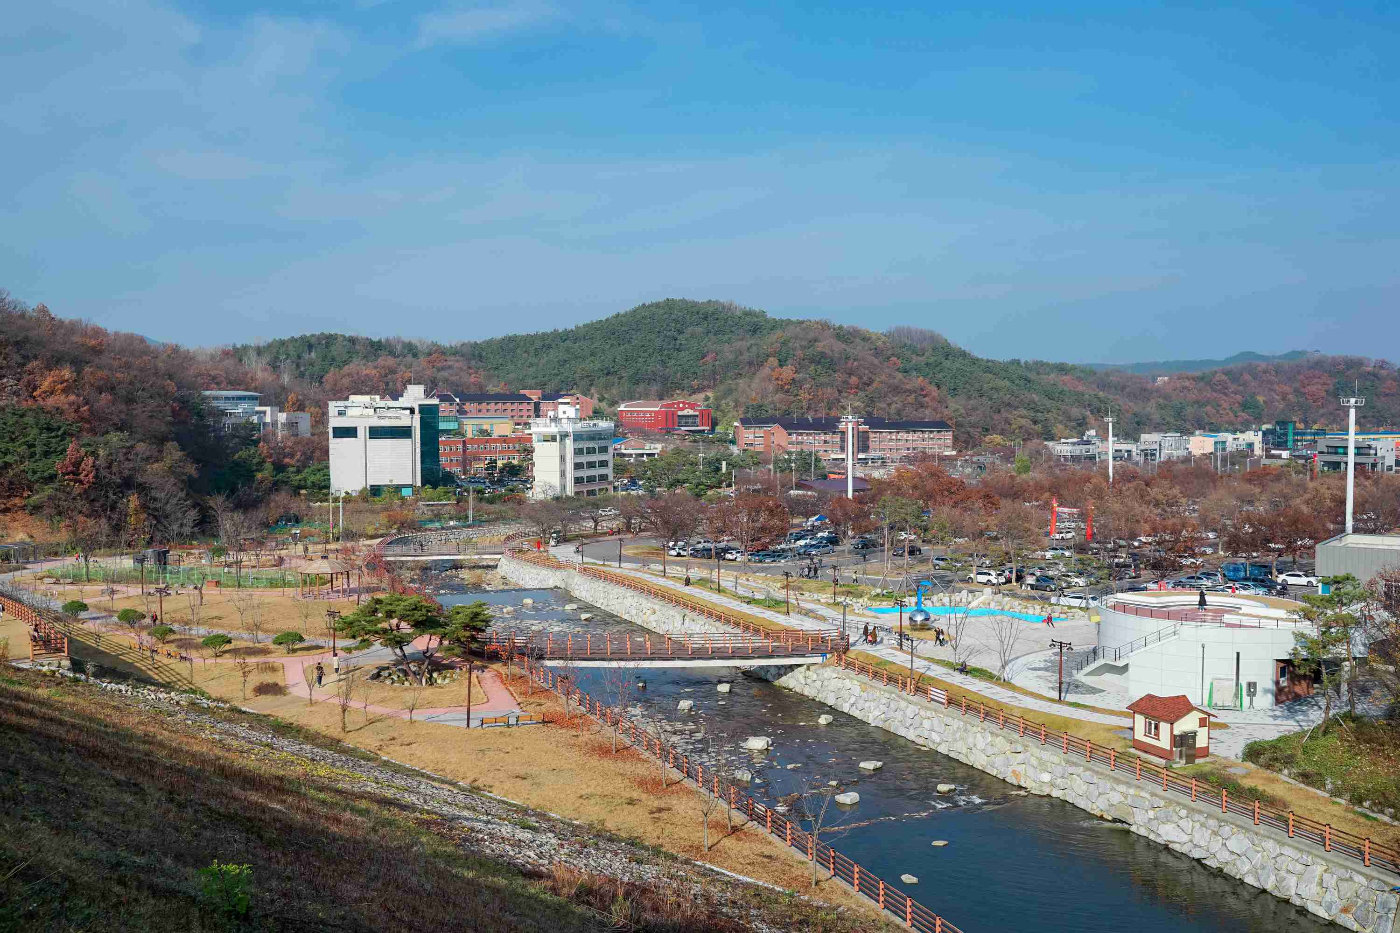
{"x":345,"y":432}
{"x":1152,"y":728}
{"x":390,"y":432}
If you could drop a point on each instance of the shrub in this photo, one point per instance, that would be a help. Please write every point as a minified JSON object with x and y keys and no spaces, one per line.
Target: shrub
{"x":75,"y":607}
{"x":269,"y":689}
{"x":288,"y":639}
{"x":225,"y":886}
{"x":217,"y":642}
{"x":161,"y":632}
{"x":130,"y":616}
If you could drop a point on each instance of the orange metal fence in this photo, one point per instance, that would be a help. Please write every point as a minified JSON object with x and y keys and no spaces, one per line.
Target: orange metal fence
{"x":44,"y":635}
{"x":1324,"y":835}
{"x":864,"y":882}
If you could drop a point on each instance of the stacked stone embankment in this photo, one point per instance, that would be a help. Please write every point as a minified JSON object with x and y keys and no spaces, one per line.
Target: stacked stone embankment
{"x":1332,"y":887}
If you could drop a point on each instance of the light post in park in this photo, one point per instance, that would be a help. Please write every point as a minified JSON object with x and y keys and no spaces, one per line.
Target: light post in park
{"x":1351,"y":404}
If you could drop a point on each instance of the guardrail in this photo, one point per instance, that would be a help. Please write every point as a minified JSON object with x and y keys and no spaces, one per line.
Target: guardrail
{"x":1330,"y":839}
{"x":641,"y":647}
{"x":1196,"y":616}
{"x":1297,"y":827}
{"x":1100,"y":653}
{"x":864,"y":882}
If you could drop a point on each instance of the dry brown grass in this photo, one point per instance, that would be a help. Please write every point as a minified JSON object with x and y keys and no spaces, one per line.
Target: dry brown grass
{"x":554,"y":768}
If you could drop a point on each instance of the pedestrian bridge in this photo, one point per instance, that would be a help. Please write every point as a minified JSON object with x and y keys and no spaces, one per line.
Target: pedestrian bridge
{"x":612,"y":650}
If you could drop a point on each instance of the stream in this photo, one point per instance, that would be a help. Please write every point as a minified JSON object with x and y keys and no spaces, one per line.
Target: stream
{"x":1012,"y":861}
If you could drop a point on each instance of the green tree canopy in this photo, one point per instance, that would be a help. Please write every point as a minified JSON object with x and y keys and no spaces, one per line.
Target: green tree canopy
{"x":403,"y":622}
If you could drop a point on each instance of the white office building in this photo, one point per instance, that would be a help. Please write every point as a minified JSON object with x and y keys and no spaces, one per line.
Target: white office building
{"x":378,"y":443}
{"x":234,"y":406}
{"x":272,"y":420}
{"x":572,"y":457}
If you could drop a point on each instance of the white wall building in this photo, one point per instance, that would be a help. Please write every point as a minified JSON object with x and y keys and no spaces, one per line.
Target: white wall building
{"x":272,"y":420}
{"x":234,"y":406}
{"x":378,"y":443}
{"x":572,"y":457}
{"x":1164,"y":645}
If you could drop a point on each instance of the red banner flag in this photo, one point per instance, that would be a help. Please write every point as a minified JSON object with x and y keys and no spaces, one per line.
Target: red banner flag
{"x":1089,"y":525}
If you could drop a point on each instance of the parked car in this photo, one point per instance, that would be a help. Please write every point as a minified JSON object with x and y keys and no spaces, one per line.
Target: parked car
{"x":1298,"y":578}
{"x":864,"y":544}
{"x":1057,"y":552}
{"x":812,"y":550}
{"x":910,"y":548}
{"x":987,"y":577}
{"x":702,"y":550}
{"x":1191,"y":562}
{"x":1062,"y":536}
{"x":941,"y":560}
{"x":1071,"y":579}
{"x":1044,"y":584}
{"x":1077,"y":598}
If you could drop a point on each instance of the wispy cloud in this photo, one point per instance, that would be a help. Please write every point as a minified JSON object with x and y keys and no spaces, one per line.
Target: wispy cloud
{"x":467,"y":25}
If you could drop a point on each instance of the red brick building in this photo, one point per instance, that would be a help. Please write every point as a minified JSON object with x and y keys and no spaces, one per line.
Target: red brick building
{"x":520,"y":406}
{"x":878,"y":439}
{"x":682,"y":416}
{"x":466,"y":455}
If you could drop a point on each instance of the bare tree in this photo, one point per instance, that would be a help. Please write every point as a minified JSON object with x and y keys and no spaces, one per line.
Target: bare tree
{"x":956,"y":624}
{"x":308,"y":676}
{"x":707,"y":800}
{"x":250,"y":613}
{"x":245,"y":668}
{"x":1005,"y":632}
{"x":814,"y":806}
{"x":674,"y":515}
{"x":345,"y":687}
{"x":415,"y":696}
{"x":618,"y":682}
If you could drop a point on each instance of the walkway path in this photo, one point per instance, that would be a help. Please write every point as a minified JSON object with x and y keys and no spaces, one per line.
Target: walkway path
{"x":827,"y":618}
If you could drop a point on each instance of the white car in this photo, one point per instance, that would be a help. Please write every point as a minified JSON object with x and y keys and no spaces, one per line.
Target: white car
{"x":1071,"y":579}
{"x":1062,"y":536}
{"x":1076,"y":599}
{"x":1056,"y":552}
{"x":1298,"y":578}
{"x":992,"y":577}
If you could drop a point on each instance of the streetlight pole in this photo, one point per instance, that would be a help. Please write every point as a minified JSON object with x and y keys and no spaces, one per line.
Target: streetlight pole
{"x":787,"y":592}
{"x":161,"y":592}
{"x":1351,"y":405}
{"x":332,"y":617}
{"x":469,"y":692}
{"x":1060,"y":680}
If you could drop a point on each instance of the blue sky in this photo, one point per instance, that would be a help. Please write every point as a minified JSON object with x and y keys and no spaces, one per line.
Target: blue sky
{"x":1092,"y":181}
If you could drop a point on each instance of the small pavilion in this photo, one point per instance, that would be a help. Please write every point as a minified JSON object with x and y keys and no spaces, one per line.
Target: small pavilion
{"x":324,"y":578}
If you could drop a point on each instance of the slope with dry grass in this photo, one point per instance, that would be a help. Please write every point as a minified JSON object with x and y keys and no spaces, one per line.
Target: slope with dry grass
{"x":111,"y":804}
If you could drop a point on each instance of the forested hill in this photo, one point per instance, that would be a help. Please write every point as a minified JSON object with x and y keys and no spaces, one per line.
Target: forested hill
{"x":1167,"y":367}
{"x":744,"y":360}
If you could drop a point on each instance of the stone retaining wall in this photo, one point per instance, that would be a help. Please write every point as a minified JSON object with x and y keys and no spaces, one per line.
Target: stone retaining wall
{"x":1337,"y":889}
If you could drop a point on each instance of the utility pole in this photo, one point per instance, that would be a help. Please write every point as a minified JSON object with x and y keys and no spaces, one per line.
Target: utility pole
{"x":332,"y":617}
{"x":1063,"y":646}
{"x":469,"y":692}
{"x":342,"y":515}
{"x":1351,"y":404}
{"x":787,"y":592}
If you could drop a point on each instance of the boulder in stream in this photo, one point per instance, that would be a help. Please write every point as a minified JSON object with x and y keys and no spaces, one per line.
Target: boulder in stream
{"x":947,"y":788}
{"x":824,"y":720}
{"x":684,"y":705}
{"x":758,"y":743}
{"x":723,"y":688}
{"x":848,"y":799}
{"x":871,"y":765}
{"x":908,"y":879}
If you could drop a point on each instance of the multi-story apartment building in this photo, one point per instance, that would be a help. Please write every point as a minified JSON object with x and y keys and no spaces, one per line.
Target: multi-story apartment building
{"x":378,"y":443}
{"x":547,"y":403}
{"x":673,"y":416}
{"x":572,"y":456}
{"x":1158,"y":447}
{"x":466,"y":455}
{"x":877,"y":439}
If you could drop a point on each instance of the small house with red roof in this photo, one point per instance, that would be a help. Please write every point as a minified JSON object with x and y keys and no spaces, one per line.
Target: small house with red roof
{"x":1172,"y":727}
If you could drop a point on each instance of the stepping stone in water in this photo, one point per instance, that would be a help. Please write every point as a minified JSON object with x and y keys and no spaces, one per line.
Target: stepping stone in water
{"x":939,"y":842}
{"x":871,"y":765}
{"x":758,"y":743}
{"x":947,"y":788}
{"x":908,"y":879}
{"x":848,"y":799}
{"x":823,"y":720}
{"x":685,"y":705}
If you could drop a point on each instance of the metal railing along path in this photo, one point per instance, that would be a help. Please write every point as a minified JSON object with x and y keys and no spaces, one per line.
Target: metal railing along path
{"x":864,"y":882}
{"x":1323,"y":835}
{"x":588,"y":646}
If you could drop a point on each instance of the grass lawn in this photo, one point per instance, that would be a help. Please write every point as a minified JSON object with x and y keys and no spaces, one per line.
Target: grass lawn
{"x":1352,"y":758}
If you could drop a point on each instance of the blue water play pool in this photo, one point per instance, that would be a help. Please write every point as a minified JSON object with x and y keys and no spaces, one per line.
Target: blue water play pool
{"x":977,"y":611}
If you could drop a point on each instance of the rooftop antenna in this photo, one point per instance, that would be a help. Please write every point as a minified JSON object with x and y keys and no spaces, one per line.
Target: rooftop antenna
{"x":1351,"y":404}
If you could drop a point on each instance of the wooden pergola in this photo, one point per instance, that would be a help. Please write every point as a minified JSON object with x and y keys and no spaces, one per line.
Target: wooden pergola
{"x":336,"y":574}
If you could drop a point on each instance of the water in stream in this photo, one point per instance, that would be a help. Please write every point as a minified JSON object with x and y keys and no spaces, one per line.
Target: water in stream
{"x":1012,"y":861}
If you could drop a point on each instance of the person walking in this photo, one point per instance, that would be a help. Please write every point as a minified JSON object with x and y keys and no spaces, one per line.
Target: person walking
{"x":1201,"y":599}
{"x":1049,"y":620}
{"x":687,"y":578}
{"x":320,"y":673}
